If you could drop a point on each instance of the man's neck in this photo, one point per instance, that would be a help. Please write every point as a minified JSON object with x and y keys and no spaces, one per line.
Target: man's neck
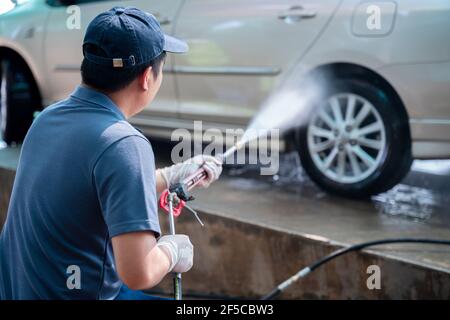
{"x":123,"y":102}
{"x":121,"y":99}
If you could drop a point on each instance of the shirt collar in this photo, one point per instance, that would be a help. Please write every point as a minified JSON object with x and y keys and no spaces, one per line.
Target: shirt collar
{"x":95,"y":97}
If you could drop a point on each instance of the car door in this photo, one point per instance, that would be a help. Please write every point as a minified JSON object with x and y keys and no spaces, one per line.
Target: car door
{"x":64,"y":44}
{"x":239,"y":49}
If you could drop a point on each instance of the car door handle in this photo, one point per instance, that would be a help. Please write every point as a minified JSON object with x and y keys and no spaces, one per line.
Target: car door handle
{"x":296,"y":13}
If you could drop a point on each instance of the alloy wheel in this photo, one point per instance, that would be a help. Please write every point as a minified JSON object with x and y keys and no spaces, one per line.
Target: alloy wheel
{"x":346,"y":138}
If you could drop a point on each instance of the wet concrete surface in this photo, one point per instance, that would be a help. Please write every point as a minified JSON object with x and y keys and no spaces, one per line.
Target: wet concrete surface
{"x":291,"y":202}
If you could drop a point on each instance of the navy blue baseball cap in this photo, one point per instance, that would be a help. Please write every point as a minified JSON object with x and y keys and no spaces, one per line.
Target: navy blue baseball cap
{"x":129,"y":37}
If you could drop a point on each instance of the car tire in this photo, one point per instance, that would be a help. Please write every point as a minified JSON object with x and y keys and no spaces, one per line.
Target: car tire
{"x":368,"y":150}
{"x":18,"y":101}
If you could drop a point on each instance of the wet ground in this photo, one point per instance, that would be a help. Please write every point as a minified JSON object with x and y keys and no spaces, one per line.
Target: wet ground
{"x":418,"y":207}
{"x":423,"y":196}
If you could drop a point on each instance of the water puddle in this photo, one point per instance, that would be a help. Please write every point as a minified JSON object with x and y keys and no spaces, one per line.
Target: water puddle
{"x":414,"y":202}
{"x":407,"y":201}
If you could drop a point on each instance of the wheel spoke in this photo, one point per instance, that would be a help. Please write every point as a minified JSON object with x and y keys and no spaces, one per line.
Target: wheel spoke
{"x":320,"y":132}
{"x":363,"y":113}
{"x":341,"y":164}
{"x":337,"y":112}
{"x":327,"y":119}
{"x":374,"y":127}
{"x":329,"y":159}
{"x":322,"y":146}
{"x":371,"y":143}
{"x":364,"y":156}
{"x":350,"y":109}
{"x":3,"y":93}
{"x":353,"y":161}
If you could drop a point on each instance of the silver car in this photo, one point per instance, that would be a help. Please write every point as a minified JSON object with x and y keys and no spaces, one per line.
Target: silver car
{"x":387,"y":65}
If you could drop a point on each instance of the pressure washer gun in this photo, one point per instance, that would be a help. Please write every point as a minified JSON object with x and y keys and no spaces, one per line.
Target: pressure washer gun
{"x":178,"y":194}
{"x":173,"y":200}
{"x":180,"y":191}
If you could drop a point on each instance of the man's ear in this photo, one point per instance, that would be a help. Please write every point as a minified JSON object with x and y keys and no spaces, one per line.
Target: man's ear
{"x":146,"y":79}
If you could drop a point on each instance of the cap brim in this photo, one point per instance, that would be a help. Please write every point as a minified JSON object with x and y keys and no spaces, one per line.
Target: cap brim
{"x":175,"y":45}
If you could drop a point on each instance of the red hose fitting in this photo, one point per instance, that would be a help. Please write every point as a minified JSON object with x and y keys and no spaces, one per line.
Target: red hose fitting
{"x":164,"y":203}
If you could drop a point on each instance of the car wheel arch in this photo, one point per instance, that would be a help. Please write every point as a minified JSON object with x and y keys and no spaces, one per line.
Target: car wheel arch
{"x":18,"y":115}
{"x":342,"y":70}
{"x":13,"y":55}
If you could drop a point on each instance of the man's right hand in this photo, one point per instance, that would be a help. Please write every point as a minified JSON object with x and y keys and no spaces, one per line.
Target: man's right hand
{"x":180,"y":171}
{"x":180,"y":251}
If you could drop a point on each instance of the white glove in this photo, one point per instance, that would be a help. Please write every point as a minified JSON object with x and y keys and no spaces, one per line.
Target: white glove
{"x":180,"y":251}
{"x":178,"y":172}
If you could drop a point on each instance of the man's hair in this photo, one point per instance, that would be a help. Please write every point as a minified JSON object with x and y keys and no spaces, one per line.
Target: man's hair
{"x":110,"y":79}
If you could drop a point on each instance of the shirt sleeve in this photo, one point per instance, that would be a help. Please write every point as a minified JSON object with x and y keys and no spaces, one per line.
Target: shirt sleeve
{"x":124,"y":177}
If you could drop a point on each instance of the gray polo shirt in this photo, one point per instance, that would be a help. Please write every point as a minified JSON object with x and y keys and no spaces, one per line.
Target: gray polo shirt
{"x":85,"y":175}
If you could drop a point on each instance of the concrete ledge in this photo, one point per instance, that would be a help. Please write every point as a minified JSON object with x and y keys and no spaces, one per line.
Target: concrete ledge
{"x":238,"y":259}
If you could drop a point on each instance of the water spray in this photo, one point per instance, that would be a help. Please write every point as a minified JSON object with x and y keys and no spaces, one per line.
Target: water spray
{"x":296,"y":105}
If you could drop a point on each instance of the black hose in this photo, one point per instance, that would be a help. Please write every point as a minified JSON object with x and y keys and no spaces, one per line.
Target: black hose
{"x":303,"y":272}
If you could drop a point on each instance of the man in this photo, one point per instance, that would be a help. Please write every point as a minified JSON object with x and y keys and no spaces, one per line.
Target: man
{"x":82,"y":221}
